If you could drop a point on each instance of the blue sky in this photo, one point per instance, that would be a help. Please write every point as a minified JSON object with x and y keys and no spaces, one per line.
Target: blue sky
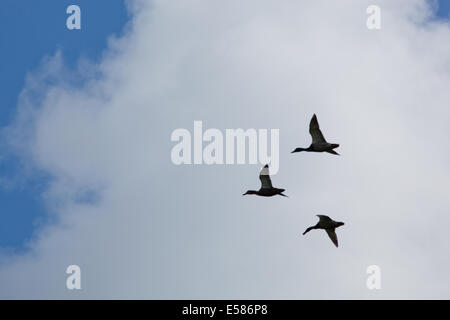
{"x":444,"y":9}
{"x":30,"y":30}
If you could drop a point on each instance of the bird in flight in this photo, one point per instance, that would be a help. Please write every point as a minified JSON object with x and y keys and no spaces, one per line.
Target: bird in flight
{"x":328,"y":225}
{"x":319,"y":144}
{"x":266,"y":190}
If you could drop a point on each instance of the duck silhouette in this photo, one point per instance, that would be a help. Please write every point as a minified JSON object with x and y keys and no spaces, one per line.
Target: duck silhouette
{"x":266,"y":190}
{"x":319,"y":144}
{"x":329,"y":225}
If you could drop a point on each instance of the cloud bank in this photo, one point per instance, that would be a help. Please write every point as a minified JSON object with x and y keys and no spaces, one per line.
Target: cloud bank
{"x":141,"y":227}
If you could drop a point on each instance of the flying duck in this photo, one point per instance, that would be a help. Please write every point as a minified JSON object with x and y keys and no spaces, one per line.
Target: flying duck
{"x":266,"y":189}
{"x":328,"y":225}
{"x":319,"y":144}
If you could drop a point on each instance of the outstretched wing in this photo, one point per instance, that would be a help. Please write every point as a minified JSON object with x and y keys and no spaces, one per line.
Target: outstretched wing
{"x":264,"y":176}
{"x":333,"y":236}
{"x":324,"y":218}
{"x":315,"y":132}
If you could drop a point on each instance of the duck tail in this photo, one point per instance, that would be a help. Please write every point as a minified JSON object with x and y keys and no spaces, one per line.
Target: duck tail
{"x":333,"y":152}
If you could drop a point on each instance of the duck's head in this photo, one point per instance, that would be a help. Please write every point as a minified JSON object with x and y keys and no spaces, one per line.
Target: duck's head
{"x":310,"y":148}
{"x":298,"y":150}
{"x":250,"y":192}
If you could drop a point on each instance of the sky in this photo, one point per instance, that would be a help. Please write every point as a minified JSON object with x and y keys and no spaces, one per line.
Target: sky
{"x":29,"y":32}
{"x":85,"y":170}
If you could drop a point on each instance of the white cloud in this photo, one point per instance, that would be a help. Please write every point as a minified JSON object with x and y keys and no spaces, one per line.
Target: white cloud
{"x":154,"y":230}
